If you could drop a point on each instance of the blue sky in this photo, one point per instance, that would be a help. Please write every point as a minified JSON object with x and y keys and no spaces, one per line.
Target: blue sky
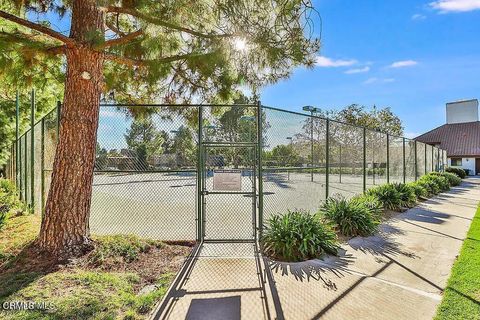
{"x":410,"y":55}
{"x":413,"y":56}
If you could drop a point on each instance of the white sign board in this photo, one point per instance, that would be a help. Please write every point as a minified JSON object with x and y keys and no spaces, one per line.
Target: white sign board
{"x":227,"y":180}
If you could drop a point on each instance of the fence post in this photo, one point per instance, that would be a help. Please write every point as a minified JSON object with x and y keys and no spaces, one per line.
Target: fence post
{"x":17,"y":133}
{"x":364,"y":159}
{"x":327,"y":158}
{"x":42,"y":164}
{"x":32,"y":151}
{"x":425,"y":160}
{"x":25,"y":187}
{"x":388,"y":158}
{"x":416,"y":161}
{"x":404,"y":162}
{"x":19,"y":170}
{"x":199,"y":177}
{"x":260,"y":170}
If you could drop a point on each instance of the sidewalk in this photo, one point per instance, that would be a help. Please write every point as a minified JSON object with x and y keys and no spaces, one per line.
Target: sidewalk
{"x":397,"y":274}
{"x":224,"y":281}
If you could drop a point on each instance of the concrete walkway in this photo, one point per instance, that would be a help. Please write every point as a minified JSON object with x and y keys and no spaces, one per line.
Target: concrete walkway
{"x":399,"y":273}
{"x":221,"y":281}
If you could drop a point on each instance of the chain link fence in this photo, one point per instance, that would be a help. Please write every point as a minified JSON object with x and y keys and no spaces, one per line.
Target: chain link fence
{"x":155,"y":167}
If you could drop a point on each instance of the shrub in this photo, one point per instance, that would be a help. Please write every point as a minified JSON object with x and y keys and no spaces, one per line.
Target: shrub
{"x":297,"y":236}
{"x":372,"y":203}
{"x":458,"y":171}
{"x":419,"y":189}
{"x":8,"y":199}
{"x":442,"y":182}
{"x":388,"y":196}
{"x":453,"y":179}
{"x":429,"y":184}
{"x":408,"y":197}
{"x":351,"y":218}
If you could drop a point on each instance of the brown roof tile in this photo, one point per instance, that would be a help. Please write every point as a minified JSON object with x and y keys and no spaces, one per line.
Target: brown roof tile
{"x":459,"y":139}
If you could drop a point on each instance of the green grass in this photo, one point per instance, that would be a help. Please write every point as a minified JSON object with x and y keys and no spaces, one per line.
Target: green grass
{"x":104,"y":284}
{"x":80,"y":294}
{"x":461,"y":298}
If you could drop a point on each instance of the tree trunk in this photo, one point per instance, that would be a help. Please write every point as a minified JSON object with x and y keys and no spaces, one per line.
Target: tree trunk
{"x":65,"y":227}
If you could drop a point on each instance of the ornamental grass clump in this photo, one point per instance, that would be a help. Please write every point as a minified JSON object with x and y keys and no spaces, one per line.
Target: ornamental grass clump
{"x":408,"y":197}
{"x":297,"y":236}
{"x":429,"y":184}
{"x":419,"y":189}
{"x":441,"y":182}
{"x":458,"y":171}
{"x":350,"y":218}
{"x":453,"y":179}
{"x":388,"y":196}
{"x":372,"y":203}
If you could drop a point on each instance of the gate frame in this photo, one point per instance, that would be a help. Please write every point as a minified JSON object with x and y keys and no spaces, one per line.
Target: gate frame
{"x":257,"y":183}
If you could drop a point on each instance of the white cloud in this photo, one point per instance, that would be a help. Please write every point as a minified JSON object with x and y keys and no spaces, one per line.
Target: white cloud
{"x":403,"y":63}
{"x":418,"y":16}
{"x":325,"y":62}
{"x":378,"y":80}
{"x":445,"y":6}
{"x":358,"y":70}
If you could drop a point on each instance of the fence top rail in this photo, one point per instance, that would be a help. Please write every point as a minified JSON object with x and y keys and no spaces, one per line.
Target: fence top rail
{"x":330,"y":120}
{"x":37,"y":122}
{"x":248,"y":105}
{"x":125,"y":105}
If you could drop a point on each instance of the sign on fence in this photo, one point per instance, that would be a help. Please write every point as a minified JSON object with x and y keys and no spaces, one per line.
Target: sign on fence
{"x":227,"y":180}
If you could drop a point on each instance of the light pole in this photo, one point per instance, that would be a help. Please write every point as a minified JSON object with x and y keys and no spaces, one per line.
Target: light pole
{"x":291,"y":147}
{"x":312,"y":110}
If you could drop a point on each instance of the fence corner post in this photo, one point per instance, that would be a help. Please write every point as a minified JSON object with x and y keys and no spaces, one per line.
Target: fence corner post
{"x":364,"y":159}
{"x":32,"y":151}
{"x":17,"y":143}
{"x":327,"y":158}
{"x":260,"y":169}
{"x":388,"y":158}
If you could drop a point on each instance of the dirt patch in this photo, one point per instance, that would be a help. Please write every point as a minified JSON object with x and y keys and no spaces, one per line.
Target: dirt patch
{"x":149,"y":265}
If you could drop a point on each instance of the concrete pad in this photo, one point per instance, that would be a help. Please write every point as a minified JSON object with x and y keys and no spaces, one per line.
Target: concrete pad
{"x":399,"y":273}
{"x":224,"y":283}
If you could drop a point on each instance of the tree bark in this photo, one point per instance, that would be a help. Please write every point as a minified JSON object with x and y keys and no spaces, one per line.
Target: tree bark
{"x":65,"y":227}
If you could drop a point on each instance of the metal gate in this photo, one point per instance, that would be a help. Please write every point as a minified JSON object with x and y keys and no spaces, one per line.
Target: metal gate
{"x":228,"y":170}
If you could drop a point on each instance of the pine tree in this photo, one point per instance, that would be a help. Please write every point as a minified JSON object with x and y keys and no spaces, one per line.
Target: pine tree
{"x":142,"y":49}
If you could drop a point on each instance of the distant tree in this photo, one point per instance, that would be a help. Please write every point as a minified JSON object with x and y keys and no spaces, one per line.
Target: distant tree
{"x":383,"y":120}
{"x":184,"y":147}
{"x":144,"y":138}
{"x":101,"y":158}
{"x":283,"y":156}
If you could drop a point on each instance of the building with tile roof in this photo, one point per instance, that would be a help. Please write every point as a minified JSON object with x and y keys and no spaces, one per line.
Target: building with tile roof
{"x":460,"y":136}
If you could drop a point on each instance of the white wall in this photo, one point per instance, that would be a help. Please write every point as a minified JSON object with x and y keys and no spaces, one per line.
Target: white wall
{"x":462,"y":111}
{"x":467,"y":163}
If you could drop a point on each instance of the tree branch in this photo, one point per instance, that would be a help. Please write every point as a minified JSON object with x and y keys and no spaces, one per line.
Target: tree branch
{"x":30,"y":43}
{"x":125,"y":39}
{"x":34,"y":26}
{"x":138,"y":14}
{"x":136,"y":62}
